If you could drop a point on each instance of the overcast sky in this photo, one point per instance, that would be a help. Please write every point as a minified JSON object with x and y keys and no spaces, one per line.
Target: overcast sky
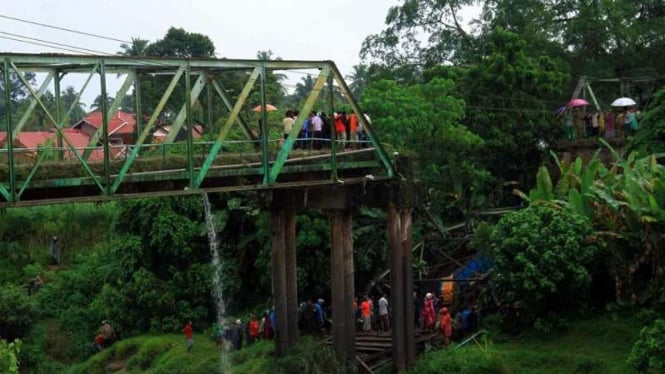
{"x":292,"y":29}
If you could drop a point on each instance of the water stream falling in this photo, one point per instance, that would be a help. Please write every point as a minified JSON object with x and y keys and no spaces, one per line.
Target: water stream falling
{"x":216,"y":279}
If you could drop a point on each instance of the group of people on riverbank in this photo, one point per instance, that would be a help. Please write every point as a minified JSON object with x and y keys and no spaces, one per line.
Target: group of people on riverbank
{"x":317,"y":130}
{"x":610,"y":124}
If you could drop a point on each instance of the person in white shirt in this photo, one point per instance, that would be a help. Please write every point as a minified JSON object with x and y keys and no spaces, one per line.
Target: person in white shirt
{"x":384,"y":315}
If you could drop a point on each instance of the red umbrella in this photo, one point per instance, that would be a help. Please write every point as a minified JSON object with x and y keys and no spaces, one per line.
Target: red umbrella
{"x":269,"y":108}
{"x":577,"y":102}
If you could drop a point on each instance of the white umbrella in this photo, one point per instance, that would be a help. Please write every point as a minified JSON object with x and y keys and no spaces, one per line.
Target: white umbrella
{"x":623,"y":101}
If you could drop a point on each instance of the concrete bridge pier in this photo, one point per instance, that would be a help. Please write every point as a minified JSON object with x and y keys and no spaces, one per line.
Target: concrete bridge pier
{"x":343,"y":286}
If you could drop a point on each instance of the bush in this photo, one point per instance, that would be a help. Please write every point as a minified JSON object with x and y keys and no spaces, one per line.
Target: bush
{"x":9,"y":356}
{"x":309,"y":357}
{"x":541,"y":256}
{"x":461,"y":361}
{"x":648,"y":354}
{"x":16,"y":312}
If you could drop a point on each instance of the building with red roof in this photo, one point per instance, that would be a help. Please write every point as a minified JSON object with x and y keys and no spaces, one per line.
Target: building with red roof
{"x":121,"y":126}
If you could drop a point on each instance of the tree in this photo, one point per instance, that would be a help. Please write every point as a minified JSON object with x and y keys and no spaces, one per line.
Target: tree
{"x":648,"y":353}
{"x":508,"y":98}
{"x":422,"y":33}
{"x":17,"y":92}
{"x":138,"y":47}
{"x":97,"y":103}
{"x":425,"y":119}
{"x":17,"y":312}
{"x":541,"y":256}
{"x":359,"y":78}
{"x":179,"y":43}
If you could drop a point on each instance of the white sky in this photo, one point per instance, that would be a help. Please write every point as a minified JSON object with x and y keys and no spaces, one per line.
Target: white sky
{"x":292,"y":29}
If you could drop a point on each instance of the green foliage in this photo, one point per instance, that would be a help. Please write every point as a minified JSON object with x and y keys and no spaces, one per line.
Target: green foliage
{"x":17,"y":312}
{"x":463,"y":361}
{"x":425,"y":119}
{"x":648,"y":354}
{"x":541,"y":256}
{"x":651,"y":137}
{"x":9,"y":353}
{"x":309,"y":357}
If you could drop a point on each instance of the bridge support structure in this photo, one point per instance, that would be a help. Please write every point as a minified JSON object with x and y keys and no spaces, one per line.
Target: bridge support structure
{"x":339,"y":202}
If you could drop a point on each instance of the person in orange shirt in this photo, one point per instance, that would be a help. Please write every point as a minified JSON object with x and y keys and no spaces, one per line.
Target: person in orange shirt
{"x":340,"y":128}
{"x":353,"y":130}
{"x":446,"y":325}
{"x":366,"y":314}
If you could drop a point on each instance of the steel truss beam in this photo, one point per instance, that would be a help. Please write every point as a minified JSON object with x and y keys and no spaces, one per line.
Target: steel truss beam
{"x":198,"y":74}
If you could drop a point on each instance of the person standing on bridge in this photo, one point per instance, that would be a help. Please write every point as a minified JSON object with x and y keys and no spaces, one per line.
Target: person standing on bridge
{"x":446,"y":326}
{"x":384,"y":315}
{"x":366,"y":314}
{"x":429,"y":314}
{"x":287,"y":124}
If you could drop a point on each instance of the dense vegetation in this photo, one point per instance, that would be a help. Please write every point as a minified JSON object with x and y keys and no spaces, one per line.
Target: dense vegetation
{"x":582,"y":262}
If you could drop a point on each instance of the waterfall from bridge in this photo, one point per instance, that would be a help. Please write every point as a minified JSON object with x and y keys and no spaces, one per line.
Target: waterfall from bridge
{"x":216,"y":279}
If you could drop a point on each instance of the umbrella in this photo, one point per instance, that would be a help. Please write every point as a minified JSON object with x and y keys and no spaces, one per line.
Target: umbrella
{"x":269,"y":108}
{"x":559,"y":111}
{"x":577,"y":102}
{"x":624,"y":101}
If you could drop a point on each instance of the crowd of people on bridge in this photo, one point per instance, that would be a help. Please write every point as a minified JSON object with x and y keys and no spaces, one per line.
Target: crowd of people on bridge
{"x":319,"y":128}
{"x":581,"y":123}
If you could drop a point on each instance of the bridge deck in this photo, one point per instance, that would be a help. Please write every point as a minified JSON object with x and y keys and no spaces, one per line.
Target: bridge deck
{"x":67,"y":181}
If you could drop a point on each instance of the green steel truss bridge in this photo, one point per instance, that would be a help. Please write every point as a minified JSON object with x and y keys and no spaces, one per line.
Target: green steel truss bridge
{"x":231,"y":156}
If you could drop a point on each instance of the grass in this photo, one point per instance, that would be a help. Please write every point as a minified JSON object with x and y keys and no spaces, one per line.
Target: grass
{"x":594,"y":345}
{"x":168,"y":354}
{"x":599,"y":344}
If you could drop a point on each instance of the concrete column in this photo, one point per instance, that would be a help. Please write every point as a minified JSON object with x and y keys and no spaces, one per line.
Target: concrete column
{"x":340,"y":339}
{"x":279,"y":293}
{"x":409,"y":312}
{"x":397,"y":288}
{"x":349,"y":287}
{"x":291,"y":276}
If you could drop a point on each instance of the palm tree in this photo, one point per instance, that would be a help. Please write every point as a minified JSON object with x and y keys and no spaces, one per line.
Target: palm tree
{"x":137,"y":48}
{"x":359,"y":80}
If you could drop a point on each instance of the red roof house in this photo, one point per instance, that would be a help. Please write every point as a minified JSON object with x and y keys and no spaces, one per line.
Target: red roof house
{"x":122,"y":126}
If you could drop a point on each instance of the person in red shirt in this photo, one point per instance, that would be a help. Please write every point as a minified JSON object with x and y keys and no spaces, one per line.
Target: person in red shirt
{"x":252,"y":329}
{"x":340,"y":128}
{"x":429,"y":315}
{"x":446,"y":325}
{"x":366,"y":314}
{"x":99,"y":342}
{"x":353,"y":131}
{"x":189,"y":335}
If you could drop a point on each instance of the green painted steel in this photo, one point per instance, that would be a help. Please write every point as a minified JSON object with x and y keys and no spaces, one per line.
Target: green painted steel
{"x":108,"y":112}
{"x":219,"y":88}
{"x":138,"y":106}
{"x":264,"y":135}
{"x":366,"y":125}
{"x":80,"y":94}
{"x":210,"y":159}
{"x":193,"y":94}
{"x":189,"y":96}
{"x":31,"y":182}
{"x":27,"y":85}
{"x":58,"y":115}
{"x":11,"y":194}
{"x":33,"y":104}
{"x":146,"y":130}
{"x":333,"y":130}
{"x":304,"y":113}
